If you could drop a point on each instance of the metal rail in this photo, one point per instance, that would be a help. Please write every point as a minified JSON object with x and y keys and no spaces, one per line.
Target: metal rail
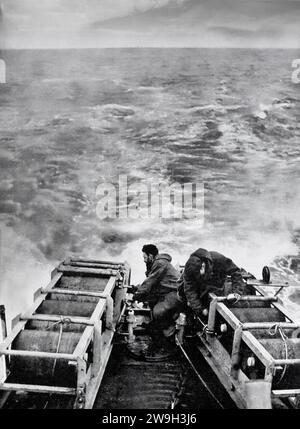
{"x":242,"y":335}
{"x":90,"y":367}
{"x":197,"y":373}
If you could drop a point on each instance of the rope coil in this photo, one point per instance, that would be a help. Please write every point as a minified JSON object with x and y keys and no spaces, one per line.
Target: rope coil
{"x":61,"y":322}
{"x":276,"y":328}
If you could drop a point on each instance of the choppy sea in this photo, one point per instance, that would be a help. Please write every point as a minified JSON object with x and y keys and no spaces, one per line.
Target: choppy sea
{"x":73,"y":119}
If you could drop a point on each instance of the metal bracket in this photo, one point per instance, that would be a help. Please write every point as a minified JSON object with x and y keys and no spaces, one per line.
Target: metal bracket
{"x":236,"y":351}
{"x":269,"y":373}
{"x":15,"y":320}
{"x":120,"y":276}
{"x":80,"y":398}
{"x":37,"y":293}
{"x":212,"y":317}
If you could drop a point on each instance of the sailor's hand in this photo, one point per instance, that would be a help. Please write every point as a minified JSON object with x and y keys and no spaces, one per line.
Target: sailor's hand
{"x":133,"y":289}
{"x":232,"y":298}
{"x":129,"y":300}
{"x":201,"y":312}
{"x":137,"y":304}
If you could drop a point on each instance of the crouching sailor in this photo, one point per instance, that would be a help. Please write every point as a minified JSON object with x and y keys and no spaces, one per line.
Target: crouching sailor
{"x":206,"y":272}
{"x":159,"y":289}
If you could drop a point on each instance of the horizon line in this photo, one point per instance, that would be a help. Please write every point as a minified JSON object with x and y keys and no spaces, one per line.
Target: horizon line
{"x":144,"y":47}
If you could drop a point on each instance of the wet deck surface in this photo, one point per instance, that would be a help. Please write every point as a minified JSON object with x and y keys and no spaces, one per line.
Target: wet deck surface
{"x":132,"y":384}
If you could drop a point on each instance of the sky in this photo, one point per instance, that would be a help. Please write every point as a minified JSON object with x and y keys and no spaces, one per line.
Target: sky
{"x":158,"y":23}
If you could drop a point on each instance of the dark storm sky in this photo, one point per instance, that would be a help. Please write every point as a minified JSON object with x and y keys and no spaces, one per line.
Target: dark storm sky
{"x":105,"y":23}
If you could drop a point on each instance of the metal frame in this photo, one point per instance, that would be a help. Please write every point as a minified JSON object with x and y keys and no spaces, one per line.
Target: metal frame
{"x":89,"y":374}
{"x":220,"y":361}
{"x":229,"y":372}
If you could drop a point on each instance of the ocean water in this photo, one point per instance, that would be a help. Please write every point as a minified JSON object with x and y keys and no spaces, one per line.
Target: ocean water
{"x":71,"y":120}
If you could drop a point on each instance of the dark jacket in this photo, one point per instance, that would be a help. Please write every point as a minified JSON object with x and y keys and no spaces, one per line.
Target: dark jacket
{"x":162,"y":278}
{"x":195,"y":289}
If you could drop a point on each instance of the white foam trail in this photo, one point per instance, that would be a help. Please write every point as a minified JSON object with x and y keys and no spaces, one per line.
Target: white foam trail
{"x":23,"y":269}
